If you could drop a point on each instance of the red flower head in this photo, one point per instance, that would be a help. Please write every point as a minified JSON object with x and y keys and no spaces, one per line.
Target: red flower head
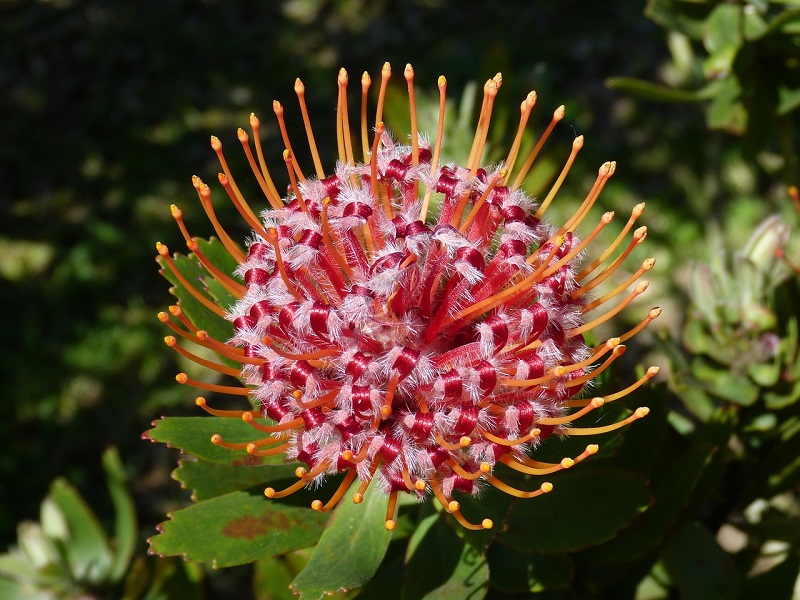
{"x":406,"y":346}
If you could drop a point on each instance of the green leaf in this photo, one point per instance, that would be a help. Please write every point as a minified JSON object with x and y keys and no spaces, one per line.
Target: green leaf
{"x":784,"y":462}
{"x":350,"y":550}
{"x":554,"y":448}
{"x":699,"y":568}
{"x":696,"y":400}
{"x":215,"y":251}
{"x":647,"y":90}
{"x":492,"y":503}
{"x":518,"y":572}
{"x":696,"y":337}
{"x":196,"y":276}
{"x":720,"y":64}
{"x":704,"y":290}
{"x":207,"y":479}
{"x":17,"y":563}
{"x":52,"y":521}
{"x":765,"y":374}
{"x":787,"y":22}
{"x":125,"y":526}
{"x":642,"y":445}
{"x":192,"y":435}
{"x":788,"y":99}
{"x":14,"y":590}
{"x":572,"y":516}
{"x":271,"y":579}
{"x":674,"y":14}
{"x":237,"y":528}
{"x":727,"y":112}
{"x":391,"y":569}
{"x":156,"y":578}
{"x":87,"y":549}
{"x":753,"y":25}
{"x":701,"y":462}
{"x":721,"y":30}
{"x":725,"y":383}
{"x":776,"y":400}
{"x":440,"y":565}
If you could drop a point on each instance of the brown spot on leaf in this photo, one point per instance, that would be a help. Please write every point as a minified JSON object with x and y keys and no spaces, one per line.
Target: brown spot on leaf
{"x":251,"y":460}
{"x":251,"y":527}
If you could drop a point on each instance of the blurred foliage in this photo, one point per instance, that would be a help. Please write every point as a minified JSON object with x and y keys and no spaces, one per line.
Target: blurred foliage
{"x":109,"y":108}
{"x":748,"y":70}
{"x":739,"y":352}
{"x":67,"y":554}
{"x":737,"y":341}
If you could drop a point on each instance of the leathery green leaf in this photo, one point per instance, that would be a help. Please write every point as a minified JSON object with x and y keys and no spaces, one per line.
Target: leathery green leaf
{"x":237,"y":528}
{"x":192,"y":435}
{"x":519,"y":572}
{"x":196,"y":276}
{"x":699,"y":567}
{"x":207,"y":479}
{"x":571,"y":517}
{"x":675,"y":491}
{"x":351,"y":548}
{"x":440,"y":565}
{"x":216,"y":252}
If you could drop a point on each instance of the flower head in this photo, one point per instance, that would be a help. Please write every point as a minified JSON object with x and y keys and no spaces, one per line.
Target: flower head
{"x":409,"y":347}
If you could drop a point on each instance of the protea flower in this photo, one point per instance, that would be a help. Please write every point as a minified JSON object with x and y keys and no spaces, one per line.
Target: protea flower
{"x":409,"y":348}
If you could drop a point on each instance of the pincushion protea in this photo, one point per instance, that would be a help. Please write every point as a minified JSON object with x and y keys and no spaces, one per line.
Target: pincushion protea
{"x":392,"y":346}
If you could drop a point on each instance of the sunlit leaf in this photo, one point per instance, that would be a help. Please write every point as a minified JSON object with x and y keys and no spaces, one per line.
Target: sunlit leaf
{"x":192,"y":435}
{"x":787,"y":22}
{"x":237,"y":528}
{"x":721,"y":29}
{"x":788,"y":99}
{"x":753,"y":25}
{"x":660,"y":93}
{"x":776,"y":400}
{"x":727,"y":112}
{"x":203,"y":283}
{"x":725,"y":384}
{"x":207,"y":479}
{"x":14,"y":590}
{"x":216,"y":252}
{"x":696,"y":337}
{"x":350,"y":549}
{"x":86,"y":549}
{"x":686,"y":17}
{"x":125,"y":527}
